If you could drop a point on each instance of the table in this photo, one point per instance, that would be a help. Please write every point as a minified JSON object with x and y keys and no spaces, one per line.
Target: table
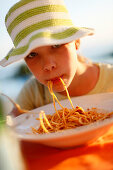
{"x":95,"y":156}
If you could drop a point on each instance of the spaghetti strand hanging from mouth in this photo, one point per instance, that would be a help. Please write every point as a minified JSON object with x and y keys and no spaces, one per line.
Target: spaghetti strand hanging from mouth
{"x":51,"y":92}
{"x":67,"y":93}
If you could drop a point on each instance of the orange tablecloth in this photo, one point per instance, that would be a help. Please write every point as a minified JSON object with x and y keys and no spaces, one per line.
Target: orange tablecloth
{"x":96,"y":156}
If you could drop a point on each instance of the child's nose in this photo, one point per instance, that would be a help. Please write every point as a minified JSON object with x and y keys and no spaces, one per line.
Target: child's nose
{"x":49,"y":65}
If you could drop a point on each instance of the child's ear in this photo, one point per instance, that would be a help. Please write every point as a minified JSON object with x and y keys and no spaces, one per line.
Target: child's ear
{"x":77,"y":44}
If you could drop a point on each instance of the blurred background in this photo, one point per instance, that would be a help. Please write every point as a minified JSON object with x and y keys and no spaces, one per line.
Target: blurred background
{"x":97,"y":14}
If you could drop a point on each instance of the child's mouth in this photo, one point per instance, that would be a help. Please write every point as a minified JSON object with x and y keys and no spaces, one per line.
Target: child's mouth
{"x":56,"y":80}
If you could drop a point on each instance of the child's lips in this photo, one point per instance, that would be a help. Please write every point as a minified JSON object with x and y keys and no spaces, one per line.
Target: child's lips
{"x":55,"y":80}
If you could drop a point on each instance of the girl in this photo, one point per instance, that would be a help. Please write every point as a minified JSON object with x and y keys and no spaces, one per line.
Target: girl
{"x":43,"y":34}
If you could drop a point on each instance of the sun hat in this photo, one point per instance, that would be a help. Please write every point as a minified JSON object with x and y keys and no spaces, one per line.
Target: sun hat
{"x":35,"y":23}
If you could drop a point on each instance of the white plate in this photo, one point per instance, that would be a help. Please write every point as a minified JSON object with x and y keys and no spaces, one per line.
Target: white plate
{"x":71,"y":137}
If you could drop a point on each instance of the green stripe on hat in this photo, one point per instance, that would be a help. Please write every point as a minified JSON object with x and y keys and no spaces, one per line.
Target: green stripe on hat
{"x":47,"y":23}
{"x":56,"y":36}
{"x":16,"y":6}
{"x":35,"y":11}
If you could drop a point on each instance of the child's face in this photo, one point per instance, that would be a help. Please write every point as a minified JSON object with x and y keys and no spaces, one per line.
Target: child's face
{"x":52,"y":62}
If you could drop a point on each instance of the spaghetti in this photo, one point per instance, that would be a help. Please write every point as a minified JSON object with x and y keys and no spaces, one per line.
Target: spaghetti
{"x":66,"y":118}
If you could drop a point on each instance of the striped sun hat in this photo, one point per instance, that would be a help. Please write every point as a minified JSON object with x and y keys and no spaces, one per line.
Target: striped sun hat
{"x":34,"y":23}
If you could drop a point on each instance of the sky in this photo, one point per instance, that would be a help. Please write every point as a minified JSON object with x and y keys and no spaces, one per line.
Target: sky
{"x":97,"y":14}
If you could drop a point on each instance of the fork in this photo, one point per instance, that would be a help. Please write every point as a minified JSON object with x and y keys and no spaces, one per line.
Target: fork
{"x":17,"y":109}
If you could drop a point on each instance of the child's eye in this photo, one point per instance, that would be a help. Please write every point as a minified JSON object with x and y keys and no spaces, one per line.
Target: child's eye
{"x":32,"y":54}
{"x":56,"y":46}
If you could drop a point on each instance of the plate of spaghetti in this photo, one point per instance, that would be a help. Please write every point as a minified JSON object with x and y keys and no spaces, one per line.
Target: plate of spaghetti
{"x":67,"y":123}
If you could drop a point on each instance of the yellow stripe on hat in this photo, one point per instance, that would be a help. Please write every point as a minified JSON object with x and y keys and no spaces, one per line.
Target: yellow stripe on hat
{"x":55,"y":36}
{"x":35,"y":11}
{"x":24,"y":5}
{"x":44,"y":24}
{"x":16,"y":6}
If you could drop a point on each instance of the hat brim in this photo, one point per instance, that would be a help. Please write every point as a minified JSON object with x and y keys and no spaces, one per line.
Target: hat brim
{"x":45,"y":38}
